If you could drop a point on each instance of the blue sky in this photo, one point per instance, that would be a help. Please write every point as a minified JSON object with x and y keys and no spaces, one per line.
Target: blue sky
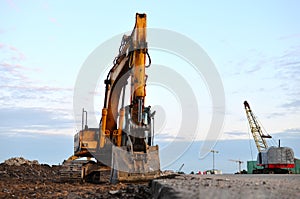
{"x":255,"y":47}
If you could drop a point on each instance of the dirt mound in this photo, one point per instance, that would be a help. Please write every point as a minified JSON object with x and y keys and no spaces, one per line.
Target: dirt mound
{"x":21,"y":178}
{"x":22,"y":169}
{"x":18,"y":161}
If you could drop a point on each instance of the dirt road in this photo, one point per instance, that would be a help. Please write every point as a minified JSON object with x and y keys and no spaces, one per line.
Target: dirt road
{"x":228,"y":186}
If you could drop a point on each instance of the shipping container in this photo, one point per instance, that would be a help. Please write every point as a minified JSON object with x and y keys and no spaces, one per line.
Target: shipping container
{"x":296,"y":169}
{"x":252,"y":165}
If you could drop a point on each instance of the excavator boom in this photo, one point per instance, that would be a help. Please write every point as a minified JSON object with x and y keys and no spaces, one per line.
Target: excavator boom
{"x":133,"y":157}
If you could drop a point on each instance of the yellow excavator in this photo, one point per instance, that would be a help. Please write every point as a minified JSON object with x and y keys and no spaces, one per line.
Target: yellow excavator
{"x":121,"y":148}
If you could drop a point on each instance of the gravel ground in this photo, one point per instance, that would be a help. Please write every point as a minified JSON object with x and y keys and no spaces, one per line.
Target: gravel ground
{"x":20,"y":178}
{"x":228,"y":186}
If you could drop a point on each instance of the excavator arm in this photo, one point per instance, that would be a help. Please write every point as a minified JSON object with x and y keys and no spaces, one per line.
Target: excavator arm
{"x":116,"y":81}
{"x":128,"y":128}
{"x":130,"y":63}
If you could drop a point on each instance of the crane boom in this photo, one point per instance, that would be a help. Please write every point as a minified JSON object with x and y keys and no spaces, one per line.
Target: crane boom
{"x":256,"y":131}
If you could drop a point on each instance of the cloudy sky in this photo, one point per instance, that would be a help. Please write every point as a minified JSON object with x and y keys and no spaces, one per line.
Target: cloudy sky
{"x":254,"y":46}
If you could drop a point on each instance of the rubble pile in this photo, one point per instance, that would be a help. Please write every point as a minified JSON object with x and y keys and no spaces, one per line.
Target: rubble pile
{"x":23,"y":169}
{"x":18,"y":161}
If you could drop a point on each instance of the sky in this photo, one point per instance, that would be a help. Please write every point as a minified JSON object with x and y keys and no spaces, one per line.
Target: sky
{"x":254,"y":46}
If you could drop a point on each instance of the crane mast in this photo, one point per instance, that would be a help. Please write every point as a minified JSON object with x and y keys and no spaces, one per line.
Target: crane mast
{"x":256,"y":131}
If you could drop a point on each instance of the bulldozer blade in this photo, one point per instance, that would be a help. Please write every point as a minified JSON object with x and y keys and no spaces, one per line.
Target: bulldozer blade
{"x":128,"y":166}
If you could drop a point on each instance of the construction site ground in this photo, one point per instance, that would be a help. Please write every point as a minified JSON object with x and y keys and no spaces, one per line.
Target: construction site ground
{"x":20,"y":178}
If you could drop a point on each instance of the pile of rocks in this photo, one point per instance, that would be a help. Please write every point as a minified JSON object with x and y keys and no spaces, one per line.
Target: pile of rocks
{"x":21,"y":168}
{"x":18,"y":161}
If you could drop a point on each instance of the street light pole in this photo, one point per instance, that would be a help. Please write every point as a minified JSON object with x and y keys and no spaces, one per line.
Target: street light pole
{"x":213,"y":152}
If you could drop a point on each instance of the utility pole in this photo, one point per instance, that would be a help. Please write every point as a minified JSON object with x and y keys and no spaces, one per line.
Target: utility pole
{"x":213,"y":152}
